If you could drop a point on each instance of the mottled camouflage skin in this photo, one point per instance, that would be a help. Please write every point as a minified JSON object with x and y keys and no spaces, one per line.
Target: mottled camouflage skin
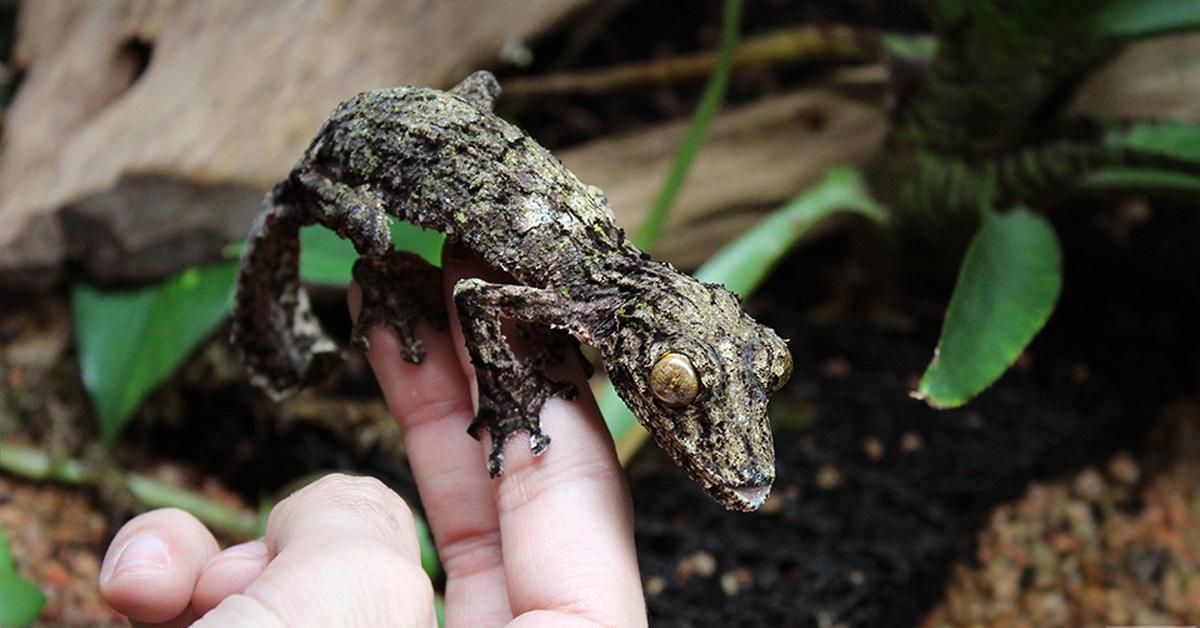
{"x":442,"y":160}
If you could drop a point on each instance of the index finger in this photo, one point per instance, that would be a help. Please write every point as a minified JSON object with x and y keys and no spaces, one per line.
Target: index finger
{"x":566,"y":518}
{"x":431,"y":402}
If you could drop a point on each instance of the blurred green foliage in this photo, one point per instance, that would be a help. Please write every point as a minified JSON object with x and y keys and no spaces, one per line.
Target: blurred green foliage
{"x":131,"y":340}
{"x":21,"y":601}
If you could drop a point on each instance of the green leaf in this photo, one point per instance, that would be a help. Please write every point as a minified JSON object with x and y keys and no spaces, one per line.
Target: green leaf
{"x":1144,"y":181}
{"x":21,"y":601}
{"x":714,"y":93}
{"x":429,"y":556}
{"x":131,"y":340}
{"x":1007,"y":287}
{"x":326,"y":258}
{"x":1144,"y":18}
{"x":1177,"y":140}
{"x":1094,"y":19}
{"x":1159,"y":158}
{"x":743,"y":264}
{"x":7,"y":564}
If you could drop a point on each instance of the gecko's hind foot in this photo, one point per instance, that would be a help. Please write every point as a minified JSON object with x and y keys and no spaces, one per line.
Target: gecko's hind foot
{"x":397,"y":291}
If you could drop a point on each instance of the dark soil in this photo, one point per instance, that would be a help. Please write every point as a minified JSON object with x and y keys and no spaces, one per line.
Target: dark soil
{"x":882,"y":495}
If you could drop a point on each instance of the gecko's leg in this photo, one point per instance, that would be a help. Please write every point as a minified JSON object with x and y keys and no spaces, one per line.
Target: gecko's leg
{"x":281,"y":340}
{"x":511,"y":391}
{"x":398,"y":290}
{"x":480,"y":89}
{"x":549,"y":346}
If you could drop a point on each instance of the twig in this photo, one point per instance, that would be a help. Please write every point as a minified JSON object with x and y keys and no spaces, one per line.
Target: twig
{"x":794,"y":45}
{"x":33,"y":464}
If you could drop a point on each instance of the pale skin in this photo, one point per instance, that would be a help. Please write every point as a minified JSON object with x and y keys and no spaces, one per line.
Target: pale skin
{"x":549,"y":543}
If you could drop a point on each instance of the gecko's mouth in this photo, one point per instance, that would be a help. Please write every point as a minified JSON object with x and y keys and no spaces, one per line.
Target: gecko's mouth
{"x":745,"y":496}
{"x":753,"y":496}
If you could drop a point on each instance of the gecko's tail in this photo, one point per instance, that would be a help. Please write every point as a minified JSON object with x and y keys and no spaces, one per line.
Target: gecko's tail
{"x":282,"y":343}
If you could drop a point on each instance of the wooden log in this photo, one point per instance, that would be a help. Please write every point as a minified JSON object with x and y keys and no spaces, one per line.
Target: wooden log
{"x":757,"y":156}
{"x":125,"y":103}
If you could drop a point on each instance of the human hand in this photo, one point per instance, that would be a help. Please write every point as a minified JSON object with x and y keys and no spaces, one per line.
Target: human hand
{"x":549,"y":543}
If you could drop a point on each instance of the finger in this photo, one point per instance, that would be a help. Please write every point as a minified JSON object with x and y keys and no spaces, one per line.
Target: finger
{"x":152,"y":565}
{"x":566,"y":518}
{"x":343,"y":550}
{"x":229,"y":573}
{"x":432,"y":404}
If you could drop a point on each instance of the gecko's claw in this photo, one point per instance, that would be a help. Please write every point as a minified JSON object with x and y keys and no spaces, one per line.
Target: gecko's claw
{"x":538,"y":442}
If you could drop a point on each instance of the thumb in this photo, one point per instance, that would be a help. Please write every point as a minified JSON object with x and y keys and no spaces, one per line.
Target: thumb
{"x":343,"y":551}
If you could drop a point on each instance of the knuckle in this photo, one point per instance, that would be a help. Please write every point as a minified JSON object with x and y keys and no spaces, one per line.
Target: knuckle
{"x":356,"y":501}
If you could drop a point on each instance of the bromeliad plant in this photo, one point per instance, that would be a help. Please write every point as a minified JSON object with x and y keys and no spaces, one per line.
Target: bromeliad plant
{"x":982,"y":135}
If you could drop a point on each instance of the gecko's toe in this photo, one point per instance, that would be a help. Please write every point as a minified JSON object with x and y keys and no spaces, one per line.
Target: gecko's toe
{"x":538,"y":442}
{"x":495,"y":464}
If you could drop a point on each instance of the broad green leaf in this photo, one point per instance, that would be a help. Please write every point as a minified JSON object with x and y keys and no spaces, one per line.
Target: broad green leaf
{"x":325,"y":258}
{"x":714,"y":93}
{"x":21,"y":601}
{"x":131,"y":340}
{"x":743,"y":264}
{"x":1007,"y":287}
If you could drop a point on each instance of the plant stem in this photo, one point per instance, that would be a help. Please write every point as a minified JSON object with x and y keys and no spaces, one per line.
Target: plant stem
{"x":33,"y":464}
{"x":714,"y":93}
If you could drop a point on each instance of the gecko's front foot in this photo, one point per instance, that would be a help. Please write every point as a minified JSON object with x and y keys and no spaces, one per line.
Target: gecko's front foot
{"x":516,"y":408}
{"x":398,"y":291}
{"x":511,"y":391}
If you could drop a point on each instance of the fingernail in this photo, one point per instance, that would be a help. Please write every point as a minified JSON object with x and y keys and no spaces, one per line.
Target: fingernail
{"x":250,"y":550}
{"x":145,"y":553}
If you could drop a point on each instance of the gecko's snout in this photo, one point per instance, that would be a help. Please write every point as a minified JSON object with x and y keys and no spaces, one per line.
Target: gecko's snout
{"x":753,"y":496}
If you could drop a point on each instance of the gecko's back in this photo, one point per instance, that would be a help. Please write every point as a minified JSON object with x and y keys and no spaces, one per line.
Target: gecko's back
{"x":443,"y":162}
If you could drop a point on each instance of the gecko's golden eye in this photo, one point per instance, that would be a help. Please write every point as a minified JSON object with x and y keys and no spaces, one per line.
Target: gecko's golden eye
{"x":673,"y":380}
{"x":786,"y":374}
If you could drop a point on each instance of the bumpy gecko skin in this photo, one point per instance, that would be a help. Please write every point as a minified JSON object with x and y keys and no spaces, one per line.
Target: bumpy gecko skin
{"x":691,"y":364}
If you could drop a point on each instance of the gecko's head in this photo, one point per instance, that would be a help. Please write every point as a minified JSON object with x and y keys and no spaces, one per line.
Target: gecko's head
{"x":697,"y":371}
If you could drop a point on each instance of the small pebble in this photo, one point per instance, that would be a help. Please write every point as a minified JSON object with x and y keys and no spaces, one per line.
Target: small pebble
{"x":1124,"y":469}
{"x":829,"y":478}
{"x":911,"y":441}
{"x":1080,"y":374}
{"x":873,"y":448}
{"x":1089,"y":484}
{"x":697,"y":564}
{"x":835,"y":368}
{"x":737,"y":580}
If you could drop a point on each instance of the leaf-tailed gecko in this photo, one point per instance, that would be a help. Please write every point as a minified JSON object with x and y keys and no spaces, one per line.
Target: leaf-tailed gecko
{"x":692,"y":365}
